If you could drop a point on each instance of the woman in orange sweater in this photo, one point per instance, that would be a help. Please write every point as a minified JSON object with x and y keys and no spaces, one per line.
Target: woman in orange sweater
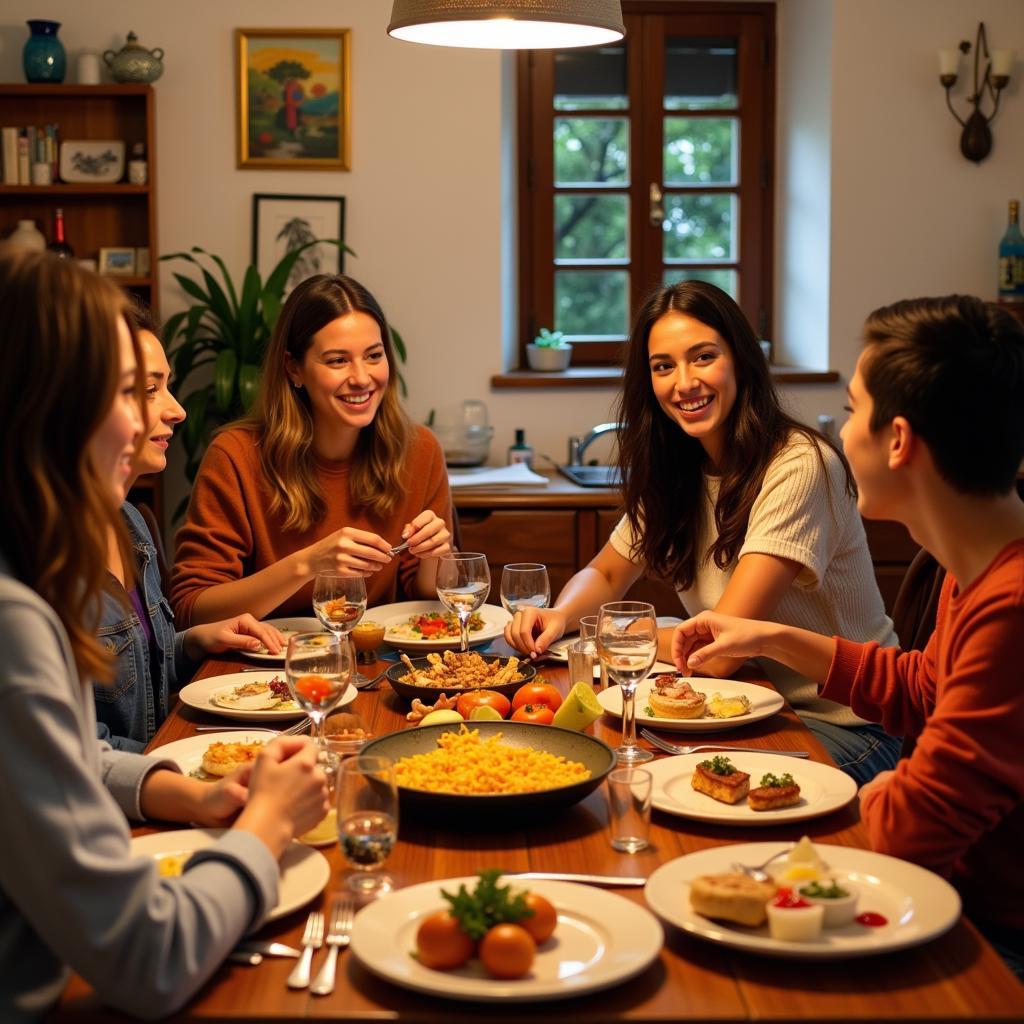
{"x":326,"y":473}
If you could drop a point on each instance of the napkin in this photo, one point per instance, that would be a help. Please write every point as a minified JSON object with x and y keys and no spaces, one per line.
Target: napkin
{"x":517,"y":475}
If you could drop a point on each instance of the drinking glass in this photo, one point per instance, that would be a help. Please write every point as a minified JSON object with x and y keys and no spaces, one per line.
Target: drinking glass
{"x":318,"y":667}
{"x":525,"y":585}
{"x":339,"y":602}
{"x":367,"y":819}
{"x":463,"y":583}
{"x":583,"y":655}
{"x":627,"y":643}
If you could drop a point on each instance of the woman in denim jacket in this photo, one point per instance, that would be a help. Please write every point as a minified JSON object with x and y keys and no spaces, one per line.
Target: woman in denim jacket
{"x":137,"y":627}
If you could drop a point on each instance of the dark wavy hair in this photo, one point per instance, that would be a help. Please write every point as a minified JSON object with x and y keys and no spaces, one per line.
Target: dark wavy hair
{"x":663,"y":467}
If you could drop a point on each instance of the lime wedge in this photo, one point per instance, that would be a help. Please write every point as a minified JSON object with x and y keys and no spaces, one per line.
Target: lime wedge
{"x":486,"y":713}
{"x":579,"y":709}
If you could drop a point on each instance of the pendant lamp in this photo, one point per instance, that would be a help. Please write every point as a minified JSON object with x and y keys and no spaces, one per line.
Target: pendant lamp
{"x":507,"y":24}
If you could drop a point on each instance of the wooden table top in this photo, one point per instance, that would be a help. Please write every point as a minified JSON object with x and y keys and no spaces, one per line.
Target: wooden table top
{"x":953,"y":978}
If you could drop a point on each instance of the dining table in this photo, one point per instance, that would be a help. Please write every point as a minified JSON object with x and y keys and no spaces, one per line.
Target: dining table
{"x":957,"y":976}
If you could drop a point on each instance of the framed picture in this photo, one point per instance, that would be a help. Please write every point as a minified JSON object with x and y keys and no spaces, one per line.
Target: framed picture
{"x":294,"y":101}
{"x":283,"y":223}
{"x":117,"y":261}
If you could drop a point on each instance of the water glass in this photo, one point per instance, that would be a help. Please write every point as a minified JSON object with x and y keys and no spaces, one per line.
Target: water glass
{"x":588,"y":633}
{"x":463,"y":583}
{"x":367,"y":820}
{"x":325,"y":833}
{"x":318,"y":667}
{"x":629,"y":808}
{"x":339,"y":602}
{"x":525,"y":585}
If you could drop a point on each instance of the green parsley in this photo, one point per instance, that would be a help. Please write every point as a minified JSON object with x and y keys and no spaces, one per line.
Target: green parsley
{"x":649,"y":711}
{"x":774,"y":782}
{"x":487,"y":905}
{"x":817,"y":891}
{"x":719,"y":765}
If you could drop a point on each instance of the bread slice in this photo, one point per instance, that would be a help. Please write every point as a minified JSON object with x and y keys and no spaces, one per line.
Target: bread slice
{"x":769,"y":798}
{"x":728,"y":787}
{"x":732,"y":897}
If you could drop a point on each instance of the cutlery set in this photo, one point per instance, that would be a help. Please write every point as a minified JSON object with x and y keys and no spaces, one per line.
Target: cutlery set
{"x":335,"y":936}
{"x":677,"y":748}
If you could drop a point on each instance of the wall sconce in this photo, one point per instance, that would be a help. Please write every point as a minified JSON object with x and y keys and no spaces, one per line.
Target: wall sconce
{"x":976,"y":140}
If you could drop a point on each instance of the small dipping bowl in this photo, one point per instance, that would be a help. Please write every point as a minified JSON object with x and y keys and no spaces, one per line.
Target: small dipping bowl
{"x":366,"y":637}
{"x":346,"y":733}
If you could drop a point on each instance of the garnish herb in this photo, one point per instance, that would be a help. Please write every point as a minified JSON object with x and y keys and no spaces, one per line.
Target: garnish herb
{"x":774,"y":782}
{"x":487,"y":905}
{"x":649,"y":711}
{"x":832,"y":891}
{"x":719,"y":765}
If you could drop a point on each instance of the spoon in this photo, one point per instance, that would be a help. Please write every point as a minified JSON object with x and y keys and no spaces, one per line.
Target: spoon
{"x":758,"y":874}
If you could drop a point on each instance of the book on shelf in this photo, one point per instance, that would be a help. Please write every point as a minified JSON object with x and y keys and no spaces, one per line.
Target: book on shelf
{"x":10,"y":155}
{"x":21,"y":147}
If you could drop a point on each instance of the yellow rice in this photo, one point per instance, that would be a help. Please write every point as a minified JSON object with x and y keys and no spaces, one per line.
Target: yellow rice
{"x":465,"y":764}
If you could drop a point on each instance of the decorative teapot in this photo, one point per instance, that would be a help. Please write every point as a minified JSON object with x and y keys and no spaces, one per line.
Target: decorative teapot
{"x":134,"y":63}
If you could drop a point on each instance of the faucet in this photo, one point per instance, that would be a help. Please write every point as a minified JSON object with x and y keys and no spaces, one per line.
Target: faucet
{"x":578,"y":445}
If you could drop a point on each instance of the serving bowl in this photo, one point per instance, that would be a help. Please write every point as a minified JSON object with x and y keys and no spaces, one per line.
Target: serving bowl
{"x":429,"y":694}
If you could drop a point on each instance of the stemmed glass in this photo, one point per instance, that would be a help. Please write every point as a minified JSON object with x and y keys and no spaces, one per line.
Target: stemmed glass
{"x":627,"y":644}
{"x":463,"y":583}
{"x":339,"y":602}
{"x":525,"y":585}
{"x":367,"y":819}
{"x":318,"y":667}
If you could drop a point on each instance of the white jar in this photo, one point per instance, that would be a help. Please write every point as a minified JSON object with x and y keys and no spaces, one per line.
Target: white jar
{"x":27,"y":236}
{"x":88,"y":68}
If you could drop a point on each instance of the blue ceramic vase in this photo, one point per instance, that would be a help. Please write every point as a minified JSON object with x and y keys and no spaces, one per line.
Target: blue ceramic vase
{"x":44,"y":58}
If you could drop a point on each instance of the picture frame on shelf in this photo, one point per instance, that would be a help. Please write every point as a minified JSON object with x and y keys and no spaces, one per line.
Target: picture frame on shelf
{"x":142,"y":262}
{"x":281,"y":223}
{"x":117,"y":261}
{"x":91,"y":161}
{"x":294,"y":98}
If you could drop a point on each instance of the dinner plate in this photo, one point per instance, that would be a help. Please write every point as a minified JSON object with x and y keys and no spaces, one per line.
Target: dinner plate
{"x":602,"y":939}
{"x":288,"y":627}
{"x":187,"y":754}
{"x":763,"y":703}
{"x":198,"y":695}
{"x":822,"y":789}
{"x":304,"y":871}
{"x":917,"y":904}
{"x":392,"y":615}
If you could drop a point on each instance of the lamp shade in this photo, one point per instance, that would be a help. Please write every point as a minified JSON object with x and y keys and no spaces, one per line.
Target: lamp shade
{"x":507,"y":24}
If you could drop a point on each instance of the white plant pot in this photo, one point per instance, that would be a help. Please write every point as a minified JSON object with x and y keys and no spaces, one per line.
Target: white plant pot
{"x":541,"y":358}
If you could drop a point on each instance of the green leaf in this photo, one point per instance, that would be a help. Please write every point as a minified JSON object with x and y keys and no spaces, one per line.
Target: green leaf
{"x":230,"y":285}
{"x":278,"y":277}
{"x":221,"y":308}
{"x":271,"y":305}
{"x":172,"y":325}
{"x":191,"y":288}
{"x":248,"y":384}
{"x":248,"y":313}
{"x":224,"y":372}
{"x":487,"y":905}
{"x":399,"y":342}
{"x":195,"y":421}
{"x":179,"y":256}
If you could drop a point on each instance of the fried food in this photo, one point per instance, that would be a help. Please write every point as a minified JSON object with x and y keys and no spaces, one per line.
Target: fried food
{"x":460,"y":671}
{"x":720,"y":780}
{"x":732,"y":897}
{"x":224,"y":758}
{"x":774,"y":792}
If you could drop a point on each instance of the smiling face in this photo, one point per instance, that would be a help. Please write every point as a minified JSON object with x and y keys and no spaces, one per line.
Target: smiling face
{"x":163,"y":412}
{"x":693,"y":375}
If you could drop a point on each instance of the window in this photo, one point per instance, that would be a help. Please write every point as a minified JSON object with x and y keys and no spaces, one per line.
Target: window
{"x":643,"y":163}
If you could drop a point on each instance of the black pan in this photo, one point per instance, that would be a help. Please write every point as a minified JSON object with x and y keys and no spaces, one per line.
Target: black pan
{"x":429,"y":694}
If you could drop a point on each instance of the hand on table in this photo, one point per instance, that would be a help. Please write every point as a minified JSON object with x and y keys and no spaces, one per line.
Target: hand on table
{"x":534,"y":630}
{"x":242,"y":633}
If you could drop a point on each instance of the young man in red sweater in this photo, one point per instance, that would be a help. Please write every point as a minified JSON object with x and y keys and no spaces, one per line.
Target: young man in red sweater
{"x":935,"y":440}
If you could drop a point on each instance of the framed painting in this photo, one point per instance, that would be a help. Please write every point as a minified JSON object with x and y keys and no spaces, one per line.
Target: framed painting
{"x":283,"y":223}
{"x":294,"y":102}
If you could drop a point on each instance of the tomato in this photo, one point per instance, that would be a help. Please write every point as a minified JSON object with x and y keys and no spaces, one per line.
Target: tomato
{"x":541,"y":923}
{"x":488,"y":698}
{"x":539,"y":714}
{"x":441,"y":943}
{"x":537,"y":692}
{"x":315,"y":689}
{"x":507,"y":951}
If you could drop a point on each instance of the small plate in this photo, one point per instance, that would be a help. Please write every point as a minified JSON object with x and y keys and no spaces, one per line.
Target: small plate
{"x":187,"y":754}
{"x":392,"y":615}
{"x":304,"y":871}
{"x":602,"y":940}
{"x":918,"y":905}
{"x":91,"y":161}
{"x":198,"y":695}
{"x":289,"y":627}
{"x":823,"y":789}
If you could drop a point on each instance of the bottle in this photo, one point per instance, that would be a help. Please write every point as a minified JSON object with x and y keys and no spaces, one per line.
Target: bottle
{"x":59,"y":246}
{"x":520,"y":451}
{"x":138,"y":169}
{"x":1011,"y":259}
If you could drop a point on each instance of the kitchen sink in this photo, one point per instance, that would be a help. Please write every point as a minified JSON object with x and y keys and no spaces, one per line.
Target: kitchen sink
{"x":592,"y":476}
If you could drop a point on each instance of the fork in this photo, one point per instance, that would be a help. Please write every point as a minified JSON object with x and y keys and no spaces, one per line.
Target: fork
{"x":312,"y":939}
{"x":676,"y":748}
{"x":342,"y":911}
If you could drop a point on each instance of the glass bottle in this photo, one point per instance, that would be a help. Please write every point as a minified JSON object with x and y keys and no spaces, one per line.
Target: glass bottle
{"x":1011,"y":259}
{"x":520,"y":451}
{"x":59,"y":246}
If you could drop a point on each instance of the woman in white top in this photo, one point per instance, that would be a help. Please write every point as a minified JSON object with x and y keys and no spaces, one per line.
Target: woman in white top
{"x":743,"y":508}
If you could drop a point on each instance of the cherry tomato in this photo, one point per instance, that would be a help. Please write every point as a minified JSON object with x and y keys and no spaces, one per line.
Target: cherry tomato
{"x":481,"y":698}
{"x":441,"y":944}
{"x":315,"y":689}
{"x":539,"y":714}
{"x":541,"y":923}
{"x":537,"y":692}
{"x":507,"y":951}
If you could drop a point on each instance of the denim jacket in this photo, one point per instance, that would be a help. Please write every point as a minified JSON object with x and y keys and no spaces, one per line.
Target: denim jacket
{"x":131,"y":708}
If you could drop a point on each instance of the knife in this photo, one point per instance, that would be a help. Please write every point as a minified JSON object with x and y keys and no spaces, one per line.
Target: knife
{"x":605,"y":881}
{"x":268,"y":948}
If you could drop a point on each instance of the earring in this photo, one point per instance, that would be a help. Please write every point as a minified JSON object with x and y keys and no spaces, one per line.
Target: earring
{"x":297,"y":384}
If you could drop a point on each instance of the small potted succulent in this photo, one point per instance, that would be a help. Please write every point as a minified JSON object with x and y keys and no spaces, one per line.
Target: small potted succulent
{"x":549,"y":351}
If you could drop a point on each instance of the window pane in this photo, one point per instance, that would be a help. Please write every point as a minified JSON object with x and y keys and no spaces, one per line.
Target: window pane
{"x":700,"y":72}
{"x":700,"y":227}
{"x":594,"y":79}
{"x":727,"y":280}
{"x":591,"y":227}
{"x":592,"y":302}
{"x":591,"y":150}
{"x":701,"y":150}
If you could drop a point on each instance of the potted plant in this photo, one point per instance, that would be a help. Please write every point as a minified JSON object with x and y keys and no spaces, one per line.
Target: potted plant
{"x":549,"y":351}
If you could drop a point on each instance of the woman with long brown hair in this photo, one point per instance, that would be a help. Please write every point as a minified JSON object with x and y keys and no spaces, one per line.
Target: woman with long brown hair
{"x":327,"y":473}
{"x":735,"y":502}
{"x":71,"y":894}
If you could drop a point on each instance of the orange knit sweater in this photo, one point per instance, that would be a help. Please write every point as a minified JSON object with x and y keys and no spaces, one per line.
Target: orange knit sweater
{"x":230,"y":533}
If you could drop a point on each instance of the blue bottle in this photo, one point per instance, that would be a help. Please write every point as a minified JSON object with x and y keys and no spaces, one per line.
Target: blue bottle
{"x":44,"y":58}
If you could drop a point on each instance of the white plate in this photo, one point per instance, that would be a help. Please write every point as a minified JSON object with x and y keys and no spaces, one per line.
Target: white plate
{"x":198,"y":695}
{"x":763,"y":704}
{"x":187,"y":754}
{"x":304,"y":871}
{"x":288,"y":627}
{"x":602,"y":939}
{"x":918,"y":905}
{"x":822,"y":789}
{"x":391,"y":615}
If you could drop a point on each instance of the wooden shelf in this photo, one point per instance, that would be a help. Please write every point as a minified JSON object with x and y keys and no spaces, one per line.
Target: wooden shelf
{"x":58,"y":91}
{"x":66,"y":189}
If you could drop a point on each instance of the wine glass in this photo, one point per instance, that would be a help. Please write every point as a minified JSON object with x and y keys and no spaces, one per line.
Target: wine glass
{"x":367,"y":819}
{"x":318,"y":667}
{"x":339,"y":602}
{"x":463,"y":583}
{"x":627,"y":644}
{"x":525,"y":585}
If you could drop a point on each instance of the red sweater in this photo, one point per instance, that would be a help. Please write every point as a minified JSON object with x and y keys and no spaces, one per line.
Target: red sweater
{"x":956,"y":805}
{"x":230,"y":533}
